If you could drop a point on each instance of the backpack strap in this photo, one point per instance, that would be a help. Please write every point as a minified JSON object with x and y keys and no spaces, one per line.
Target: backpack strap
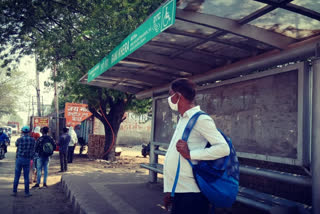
{"x":185,"y":136}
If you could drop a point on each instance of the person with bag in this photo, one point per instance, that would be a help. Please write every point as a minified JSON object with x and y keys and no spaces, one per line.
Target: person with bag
{"x":189,"y":146}
{"x":45,"y":147}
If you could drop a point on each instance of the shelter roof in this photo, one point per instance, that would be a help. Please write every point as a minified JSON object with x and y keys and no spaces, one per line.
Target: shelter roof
{"x":210,"y":37}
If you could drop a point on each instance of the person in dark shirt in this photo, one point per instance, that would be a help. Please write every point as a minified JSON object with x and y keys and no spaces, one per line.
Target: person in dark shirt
{"x":44,"y":158}
{"x":25,"y":152}
{"x":63,"y":149}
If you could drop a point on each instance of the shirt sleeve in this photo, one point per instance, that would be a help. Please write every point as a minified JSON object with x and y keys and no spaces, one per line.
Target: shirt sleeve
{"x":219,"y":147}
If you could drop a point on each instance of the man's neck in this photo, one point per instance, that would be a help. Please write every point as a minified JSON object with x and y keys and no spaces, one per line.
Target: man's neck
{"x":186,"y":108}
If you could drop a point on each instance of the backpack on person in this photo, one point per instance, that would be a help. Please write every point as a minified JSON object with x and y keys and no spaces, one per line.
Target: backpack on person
{"x":47,"y":146}
{"x":217,"y":179}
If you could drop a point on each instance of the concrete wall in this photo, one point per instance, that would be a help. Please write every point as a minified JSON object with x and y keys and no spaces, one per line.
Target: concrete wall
{"x":260,"y":114}
{"x":135,"y":130}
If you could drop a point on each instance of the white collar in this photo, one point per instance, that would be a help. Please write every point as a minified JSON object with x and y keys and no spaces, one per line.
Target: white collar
{"x":190,"y":112}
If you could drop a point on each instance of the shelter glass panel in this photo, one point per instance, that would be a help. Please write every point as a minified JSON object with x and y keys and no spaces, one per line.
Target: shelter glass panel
{"x":179,"y":40}
{"x":192,"y":28}
{"x":202,"y":58}
{"x":212,"y":46}
{"x":232,"y":9}
{"x":288,"y":23}
{"x":224,"y":50}
{"x":245,"y":42}
{"x":309,"y":4}
{"x":158,"y":49}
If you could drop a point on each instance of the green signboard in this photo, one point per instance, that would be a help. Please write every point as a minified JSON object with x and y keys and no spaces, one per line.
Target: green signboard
{"x":160,"y":20}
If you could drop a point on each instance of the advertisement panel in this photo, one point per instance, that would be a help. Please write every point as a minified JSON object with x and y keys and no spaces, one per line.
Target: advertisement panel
{"x":75,"y":113}
{"x":40,"y":121}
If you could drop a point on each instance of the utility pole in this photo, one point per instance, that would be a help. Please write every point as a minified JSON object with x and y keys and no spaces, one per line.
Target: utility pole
{"x":29,"y":109}
{"x":56,"y":101}
{"x":32,"y":107}
{"x":38,"y":88}
{"x":42,"y":107}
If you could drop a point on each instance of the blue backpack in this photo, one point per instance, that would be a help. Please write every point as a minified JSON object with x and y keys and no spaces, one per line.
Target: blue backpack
{"x":217,"y":179}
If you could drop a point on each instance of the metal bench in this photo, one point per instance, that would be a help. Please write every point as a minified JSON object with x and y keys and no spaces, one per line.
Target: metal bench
{"x":247,"y":196}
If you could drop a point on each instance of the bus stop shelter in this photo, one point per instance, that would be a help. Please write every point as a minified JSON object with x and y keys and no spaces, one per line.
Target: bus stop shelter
{"x":257,"y":60}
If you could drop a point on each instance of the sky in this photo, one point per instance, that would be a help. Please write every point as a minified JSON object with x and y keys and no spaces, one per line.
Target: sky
{"x":27,"y":66}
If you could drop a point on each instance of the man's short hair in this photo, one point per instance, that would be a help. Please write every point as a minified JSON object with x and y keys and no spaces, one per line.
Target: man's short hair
{"x":184,"y":86}
{"x":65,"y":130}
{"x":45,"y":130}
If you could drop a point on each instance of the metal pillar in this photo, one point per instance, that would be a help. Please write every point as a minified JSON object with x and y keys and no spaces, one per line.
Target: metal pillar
{"x":315,"y":151}
{"x":153,"y":157}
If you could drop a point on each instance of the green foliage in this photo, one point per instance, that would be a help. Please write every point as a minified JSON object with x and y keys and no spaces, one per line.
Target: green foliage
{"x":73,"y":36}
{"x":10,"y":88}
{"x":15,"y":117}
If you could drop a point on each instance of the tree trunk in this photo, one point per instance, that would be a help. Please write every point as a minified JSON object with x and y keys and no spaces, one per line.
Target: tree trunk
{"x":108,"y":141}
{"x":115,"y":118}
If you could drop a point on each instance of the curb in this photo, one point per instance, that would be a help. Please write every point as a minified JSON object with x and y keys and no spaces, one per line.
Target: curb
{"x":73,"y":197}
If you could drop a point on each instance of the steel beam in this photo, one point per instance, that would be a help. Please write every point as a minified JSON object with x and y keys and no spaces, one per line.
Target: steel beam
{"x":303,"y":11}
{"x":279,"y":176}
{"x":315,"y":158}
{"x":294,"y":8}
{"x":256,"y":14}
{"x":249,"y":31}
{"x":261,"y":12}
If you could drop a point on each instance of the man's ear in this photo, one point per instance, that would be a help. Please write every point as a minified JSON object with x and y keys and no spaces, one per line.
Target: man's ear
{"x":179,"y":95}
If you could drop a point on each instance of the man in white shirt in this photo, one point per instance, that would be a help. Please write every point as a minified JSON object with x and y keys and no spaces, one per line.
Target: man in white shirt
{"x":188,"y":198}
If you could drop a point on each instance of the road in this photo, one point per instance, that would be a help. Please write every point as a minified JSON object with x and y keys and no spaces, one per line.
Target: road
{"x":50,"y":201}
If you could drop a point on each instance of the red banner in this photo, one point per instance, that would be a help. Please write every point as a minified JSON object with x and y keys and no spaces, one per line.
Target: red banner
{"x":40,"y":121}
{"x":75,"y":113}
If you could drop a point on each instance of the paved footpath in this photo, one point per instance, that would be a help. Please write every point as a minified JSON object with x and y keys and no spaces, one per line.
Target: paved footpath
{"x":88,"y":187}
{"x":115,"y":192}
{"x":50,"y":201}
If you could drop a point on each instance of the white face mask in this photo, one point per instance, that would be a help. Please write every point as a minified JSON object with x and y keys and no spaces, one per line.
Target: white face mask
{"x":173,"y":106}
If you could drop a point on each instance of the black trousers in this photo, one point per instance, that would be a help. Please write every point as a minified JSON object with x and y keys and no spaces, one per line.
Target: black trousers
{"x":70,"y":153}
{"x":190,"y":203}
{"x":63,"y":161}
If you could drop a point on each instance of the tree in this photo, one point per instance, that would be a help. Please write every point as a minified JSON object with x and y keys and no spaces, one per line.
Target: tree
{"x":74,"y":36}
{"x":9,"y":90}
